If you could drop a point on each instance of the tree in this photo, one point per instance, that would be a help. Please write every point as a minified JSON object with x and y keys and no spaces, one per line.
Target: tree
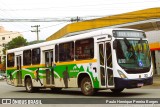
{"x":16,"y":42}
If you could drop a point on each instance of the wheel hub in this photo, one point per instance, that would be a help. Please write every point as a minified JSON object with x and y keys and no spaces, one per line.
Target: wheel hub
{"x":28,"y":86}
{"x":87,"y":86}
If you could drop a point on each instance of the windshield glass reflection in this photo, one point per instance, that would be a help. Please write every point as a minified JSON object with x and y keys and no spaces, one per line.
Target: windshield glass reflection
{"x":133,"y":53}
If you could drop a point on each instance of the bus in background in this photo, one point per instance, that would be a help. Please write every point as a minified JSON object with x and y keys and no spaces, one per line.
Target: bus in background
{"x":112,"y":59}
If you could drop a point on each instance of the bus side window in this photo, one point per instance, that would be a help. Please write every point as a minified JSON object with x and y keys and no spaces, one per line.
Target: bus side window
{"x":84,"y":49}
{"x":66,"y":51}
{"x":36,"y":56}
{"x":10,"y":60}
{"x":56,"y":53}
{"x":27,"y":57}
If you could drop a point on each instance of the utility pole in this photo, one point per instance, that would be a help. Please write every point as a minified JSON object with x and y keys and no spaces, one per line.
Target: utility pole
{"x":36,"y":30}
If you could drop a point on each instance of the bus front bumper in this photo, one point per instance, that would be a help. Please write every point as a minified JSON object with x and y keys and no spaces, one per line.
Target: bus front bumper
{"x":132,"y":83}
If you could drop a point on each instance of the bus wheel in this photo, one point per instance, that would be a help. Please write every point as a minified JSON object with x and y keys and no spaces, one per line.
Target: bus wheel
{"x":28,"y":85}
{"x":86,"y":87}
{"x":56,"y":89}
{"x":117,"y":90}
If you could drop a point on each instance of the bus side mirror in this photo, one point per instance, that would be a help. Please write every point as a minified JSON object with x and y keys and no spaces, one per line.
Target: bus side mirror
{"x":115,"y":44}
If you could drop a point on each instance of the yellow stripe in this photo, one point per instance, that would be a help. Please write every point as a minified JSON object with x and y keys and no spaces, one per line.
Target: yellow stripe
{"x":34,"y":66}
{"x":77,"y":62}
{"x":29,"y":66}
{"x":10,"y":68}
{"x":60,"y":63}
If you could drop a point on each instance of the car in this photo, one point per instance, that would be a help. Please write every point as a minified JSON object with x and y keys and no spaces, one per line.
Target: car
{"x":1,"y":77}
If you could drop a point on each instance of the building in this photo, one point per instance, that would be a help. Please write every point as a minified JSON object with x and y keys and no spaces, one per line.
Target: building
{"x":147,"y":20}
{"x":5,"y":37}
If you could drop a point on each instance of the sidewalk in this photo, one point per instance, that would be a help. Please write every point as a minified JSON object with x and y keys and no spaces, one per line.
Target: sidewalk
{"x":156,"y":80}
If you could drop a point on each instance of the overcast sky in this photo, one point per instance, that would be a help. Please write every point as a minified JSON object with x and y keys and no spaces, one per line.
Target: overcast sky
{"x":62,"y":9}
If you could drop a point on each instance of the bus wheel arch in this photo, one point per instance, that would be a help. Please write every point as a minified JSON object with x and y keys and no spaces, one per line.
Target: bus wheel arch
{"x":85,"y":83}
{"x":28,"y":84}
{"x":80,"y":78}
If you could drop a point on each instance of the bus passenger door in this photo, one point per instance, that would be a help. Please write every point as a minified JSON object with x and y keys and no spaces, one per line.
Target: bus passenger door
{"x":105,"y":61}
{"x":102,"y":64}
{"x":49,"y":66}
{"x":108,"y":64}
{"x":19,"y":68}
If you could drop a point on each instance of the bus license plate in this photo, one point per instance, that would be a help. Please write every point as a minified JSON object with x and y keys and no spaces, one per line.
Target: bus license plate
{"x":140,"y":84}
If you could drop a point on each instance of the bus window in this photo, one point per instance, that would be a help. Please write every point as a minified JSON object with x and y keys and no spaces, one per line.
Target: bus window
{"x":66,"y":51}
{"x":109,"y":55}
{"x":36,"y":56}
{"x":27,"y":57}
{"x":84,"y":49}
{"x":48,"y":58}
{"x":56,"y":53}
{"x":10,"y":60}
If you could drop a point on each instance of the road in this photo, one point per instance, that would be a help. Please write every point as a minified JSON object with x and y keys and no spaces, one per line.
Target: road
{"x":7,"y":91}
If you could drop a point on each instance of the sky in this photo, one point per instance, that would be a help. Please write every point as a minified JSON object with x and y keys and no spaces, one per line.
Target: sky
{"x":62,"y":9}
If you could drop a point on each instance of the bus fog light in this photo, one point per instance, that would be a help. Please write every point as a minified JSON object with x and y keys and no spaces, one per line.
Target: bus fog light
{"x":122,"y":75}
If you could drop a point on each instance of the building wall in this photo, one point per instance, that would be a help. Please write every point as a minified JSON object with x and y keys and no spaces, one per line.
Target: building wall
{"x":154,"y":40}
{"x":157,"y":61}
{"x":153,"y":36}
{"x":5,"y":37}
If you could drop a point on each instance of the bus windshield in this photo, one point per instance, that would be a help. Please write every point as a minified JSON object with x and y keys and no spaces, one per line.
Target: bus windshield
{"x":133,"y":54}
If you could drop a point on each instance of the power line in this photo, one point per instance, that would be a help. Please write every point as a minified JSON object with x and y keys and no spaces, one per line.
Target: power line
{"x":31,"y":9}
{"x":52,"y":25}
{"x":34,"y":20}
{"x":10,"y":33}
{"x":71,"y":19}
{"x":68,"y":19}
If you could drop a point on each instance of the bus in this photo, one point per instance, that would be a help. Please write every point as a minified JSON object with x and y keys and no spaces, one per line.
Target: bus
{"x":114,"y":59}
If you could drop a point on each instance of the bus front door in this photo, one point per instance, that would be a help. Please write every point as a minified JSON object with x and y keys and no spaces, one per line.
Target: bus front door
{"x":105,"y":60}
{"x":49,"y":67}
{"x":19,"y":70}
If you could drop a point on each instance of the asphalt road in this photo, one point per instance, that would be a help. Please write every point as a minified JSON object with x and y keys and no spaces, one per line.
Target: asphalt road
{"x":7,"y":91}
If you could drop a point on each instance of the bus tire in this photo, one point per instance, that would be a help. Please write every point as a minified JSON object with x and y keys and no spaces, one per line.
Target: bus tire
{"x":117,"y":90}
{"x":29,"y":85}
{"x":86,"y":87}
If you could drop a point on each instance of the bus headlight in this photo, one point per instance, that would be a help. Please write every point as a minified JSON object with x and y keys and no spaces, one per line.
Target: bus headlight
{"x":122,"y":75}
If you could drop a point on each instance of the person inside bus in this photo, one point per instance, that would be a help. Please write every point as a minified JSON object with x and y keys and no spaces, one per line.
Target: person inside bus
{"x":130,"y":53}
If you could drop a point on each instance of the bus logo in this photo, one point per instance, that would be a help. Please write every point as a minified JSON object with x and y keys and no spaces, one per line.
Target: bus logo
{"x":6,"y":101}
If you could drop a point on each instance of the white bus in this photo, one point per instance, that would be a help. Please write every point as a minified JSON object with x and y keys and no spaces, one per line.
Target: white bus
{"x":112,"y":59}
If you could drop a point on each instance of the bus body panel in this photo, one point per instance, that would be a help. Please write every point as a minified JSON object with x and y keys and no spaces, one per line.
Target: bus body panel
{"x":65,"y":74}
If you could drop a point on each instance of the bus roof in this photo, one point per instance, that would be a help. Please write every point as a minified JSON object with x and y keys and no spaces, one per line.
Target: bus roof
{"x":70,"y":38}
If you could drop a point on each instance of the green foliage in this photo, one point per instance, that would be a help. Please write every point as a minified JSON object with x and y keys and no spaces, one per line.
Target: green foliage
{"x":16,"y":42}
